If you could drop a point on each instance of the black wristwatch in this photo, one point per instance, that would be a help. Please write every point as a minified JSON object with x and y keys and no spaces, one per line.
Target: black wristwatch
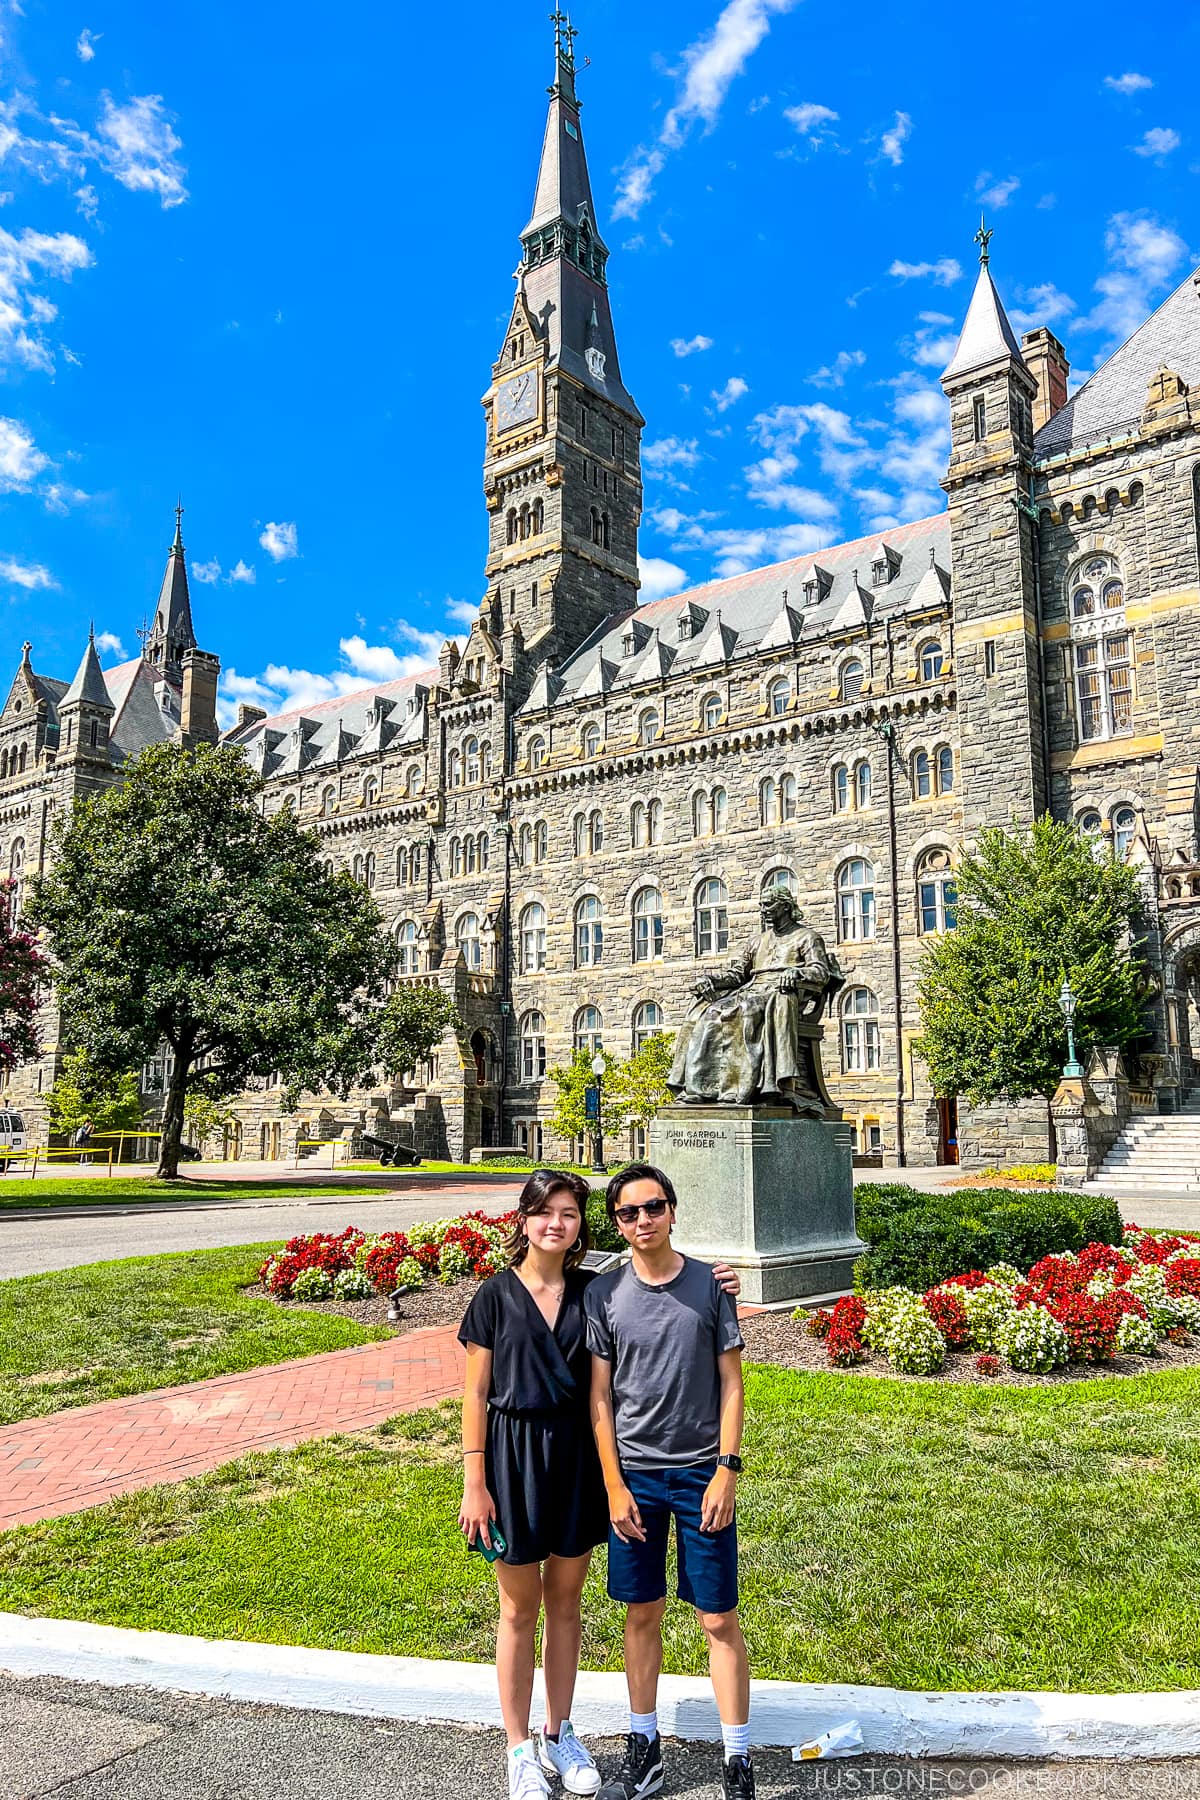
{"x":730,"y":1462}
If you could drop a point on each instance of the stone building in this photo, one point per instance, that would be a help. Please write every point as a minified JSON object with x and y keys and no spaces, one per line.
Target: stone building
{"x":573,"y":816}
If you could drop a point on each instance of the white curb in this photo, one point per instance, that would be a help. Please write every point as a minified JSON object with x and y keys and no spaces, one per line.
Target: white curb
{"x":784,"y":1712}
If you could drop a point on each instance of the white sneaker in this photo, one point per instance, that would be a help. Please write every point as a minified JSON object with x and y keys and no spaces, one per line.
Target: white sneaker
{"x":525,"y":1778}
{"x":570,"y":1760}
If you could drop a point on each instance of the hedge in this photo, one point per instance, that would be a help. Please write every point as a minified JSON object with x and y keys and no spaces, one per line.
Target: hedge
{"x":919,"y":1240}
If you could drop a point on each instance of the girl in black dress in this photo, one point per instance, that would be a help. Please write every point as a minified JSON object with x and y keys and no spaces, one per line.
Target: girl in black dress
{"x":530,"y":1468}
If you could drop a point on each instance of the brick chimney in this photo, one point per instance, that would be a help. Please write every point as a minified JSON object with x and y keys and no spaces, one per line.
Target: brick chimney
{"x":199,"y":712}
{"x":249,"y":715}
{"x":1046,"y":361}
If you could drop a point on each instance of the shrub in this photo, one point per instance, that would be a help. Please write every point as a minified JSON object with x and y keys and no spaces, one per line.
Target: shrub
{"x":1136,"y":1336}
{"x":913,"y":1343}
{"x":408,"y":1273}
{"x":988,"y":1363}
{"x":949,"y":1314}
{"x":603,"y":1232}
{"x":988,"y":1309}
{"x":352,"y":1284}
{"x":920,"y":1240}
{"x":313,"y":1283}
{"x":1031,"y":1339}
{"x":1091,"y":1326}
{"x":1004,"y":1273}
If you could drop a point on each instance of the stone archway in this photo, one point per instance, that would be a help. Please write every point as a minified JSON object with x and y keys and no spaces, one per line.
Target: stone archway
{"x":1181,"y":1000}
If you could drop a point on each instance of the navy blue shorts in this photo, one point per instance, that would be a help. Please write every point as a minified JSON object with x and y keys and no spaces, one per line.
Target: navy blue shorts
{"x":708,"y":1561}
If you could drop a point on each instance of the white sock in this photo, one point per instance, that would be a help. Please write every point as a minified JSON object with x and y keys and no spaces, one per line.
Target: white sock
{"x":736,"y":1739}
{"x":645,"y":1723}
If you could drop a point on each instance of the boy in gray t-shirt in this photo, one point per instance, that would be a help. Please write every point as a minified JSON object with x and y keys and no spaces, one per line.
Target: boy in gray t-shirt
{"x":667,"y":1408}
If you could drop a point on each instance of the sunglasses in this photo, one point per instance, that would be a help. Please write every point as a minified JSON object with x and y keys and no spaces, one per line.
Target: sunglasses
{"x":628,"y":1215}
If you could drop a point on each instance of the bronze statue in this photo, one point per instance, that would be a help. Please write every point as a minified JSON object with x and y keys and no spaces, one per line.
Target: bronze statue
{"x":758,"y":1039}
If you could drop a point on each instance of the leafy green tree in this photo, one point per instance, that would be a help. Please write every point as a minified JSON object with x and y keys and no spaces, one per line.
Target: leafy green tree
{"x":24,"y":973}
{"x":83,"y":1092}
{"x":410,"y":1026}
{"x":175,"y":911}
{"x":644,"y":1078}
{"x":1033,"y":906}
{"x":632,"y":1092}
{"x":205,"y":1114}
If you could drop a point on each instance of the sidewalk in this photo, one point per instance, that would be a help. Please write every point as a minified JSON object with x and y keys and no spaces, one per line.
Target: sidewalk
{"x":89,"y":1454}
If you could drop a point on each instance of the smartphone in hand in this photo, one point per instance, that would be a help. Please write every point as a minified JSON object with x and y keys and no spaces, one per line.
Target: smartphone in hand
{"x":498,"y":1546}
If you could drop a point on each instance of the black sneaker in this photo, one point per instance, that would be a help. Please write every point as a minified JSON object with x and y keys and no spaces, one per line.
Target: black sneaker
{"x":737,"y":1778}
{"x":641,"y":1772}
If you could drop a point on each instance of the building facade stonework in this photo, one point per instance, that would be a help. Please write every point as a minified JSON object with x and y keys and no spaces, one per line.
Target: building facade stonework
{"x":577,"y":811}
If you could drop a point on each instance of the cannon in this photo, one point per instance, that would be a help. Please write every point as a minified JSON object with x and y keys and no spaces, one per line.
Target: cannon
{"x":392,"y":1155}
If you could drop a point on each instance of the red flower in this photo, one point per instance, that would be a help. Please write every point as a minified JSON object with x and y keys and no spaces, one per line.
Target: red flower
{"x":974,"y":1278}
{"x":1091,"y":1326}
{"x":843,"y":1340}
{"x":1183,"y":1277}
{"x":987,"y":1363}
{"x":950,"y":1316}
{"x":817,"y":1323}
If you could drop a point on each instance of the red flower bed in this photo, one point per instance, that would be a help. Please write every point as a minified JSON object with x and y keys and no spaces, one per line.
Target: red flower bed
{"x":817,"y":1323}
{"x":383,"y":1261}
{"x":950,"y":1316}
{"x":843,"y":1341}
{"x":321,"y":1251}
{"x":1183,"y":1277}
{"x":1091,"y":1326}
{"x":1102,"y":1259}
{"x":988,"y":1363}
{"x":974,"y":1278}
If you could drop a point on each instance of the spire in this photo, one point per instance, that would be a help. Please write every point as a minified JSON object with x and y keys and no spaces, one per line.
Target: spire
{"x":987,"y":337}
{"x":89,"y":687}
{"x":563,"y":277}
{"x":172,"y":633}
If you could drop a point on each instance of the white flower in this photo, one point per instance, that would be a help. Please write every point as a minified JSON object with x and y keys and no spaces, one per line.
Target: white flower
{"x":1032,"y":1340}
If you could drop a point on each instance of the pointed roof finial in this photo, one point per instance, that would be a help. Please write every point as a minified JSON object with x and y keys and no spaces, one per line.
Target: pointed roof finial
{"x":983,"y":238}
{"x":178,"y":544}
{"x":564,"y":40}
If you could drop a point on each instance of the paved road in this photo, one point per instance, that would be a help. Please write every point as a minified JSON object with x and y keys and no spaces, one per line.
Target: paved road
{"x":83,"y":1742}
{"x":31,"y":1246}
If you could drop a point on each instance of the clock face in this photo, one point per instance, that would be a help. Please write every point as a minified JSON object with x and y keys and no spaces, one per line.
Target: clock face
{"x":517,"y":401}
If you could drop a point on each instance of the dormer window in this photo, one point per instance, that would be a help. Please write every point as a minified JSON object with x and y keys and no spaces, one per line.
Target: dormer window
{"x":881,"y":573}
{"x":685,"y":627}
{"x":629,"y":644}
{"x":810,"y":593}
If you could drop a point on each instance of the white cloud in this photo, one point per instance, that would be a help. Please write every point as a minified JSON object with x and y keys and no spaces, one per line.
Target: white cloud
{"x":996,"y":193}
{"x":711,"y":65}
{"x":1127,"y":84}
{"x":85,"y":48}
{"x":834,"y":374}
{"x":280,"y":688}
{"x":660,"y":578}
{"x":463,"y":612}
{"x":280,"y":541}
{"x":206,"y":572}
{"x":87,"y":200}
{"x":138,"y":147}
{"x":25,"y":259}
{"x":768,"y":483}
{"x":59,"y":497}
{"x":943,"y":273}
{"x":1143,"y":254}
{"x":691,"y":346}
{"x":892,"y":143}
{"x":21,"y":462}
{"x":812,"y":121}
{"x":109,"y":644}
{"x":30,"y":576}
{"x":1044,"y":304}
{"x":1160,"y":141}
{"x":738,"y":550}
{"x":670,"y":453}
{"x":735,"y":389}
{"x":242,"y":572}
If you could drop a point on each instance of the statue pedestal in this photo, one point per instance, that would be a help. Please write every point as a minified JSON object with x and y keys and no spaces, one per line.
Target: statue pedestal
{"x":771,"y":1193}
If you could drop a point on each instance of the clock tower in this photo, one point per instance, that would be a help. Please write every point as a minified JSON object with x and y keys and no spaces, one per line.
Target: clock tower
{"x":562,"y":470}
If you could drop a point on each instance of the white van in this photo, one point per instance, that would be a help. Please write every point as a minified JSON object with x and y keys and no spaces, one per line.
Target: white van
{"x":12,"y":1135}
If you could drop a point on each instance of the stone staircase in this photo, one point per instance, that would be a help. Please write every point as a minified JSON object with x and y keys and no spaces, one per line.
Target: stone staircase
{"x":1155,"y":1154}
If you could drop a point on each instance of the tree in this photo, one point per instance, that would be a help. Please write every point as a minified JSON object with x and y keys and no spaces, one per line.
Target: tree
{"x":205,"y":1114}
{"x":1033,"y":906}
{"x":645,"y":1078}
{"x":175,"y":911}
{"x":410,"y":1026}
{"x":24,"y":972}
{"x":632,"y":1093}
{"x":83,"y":1092}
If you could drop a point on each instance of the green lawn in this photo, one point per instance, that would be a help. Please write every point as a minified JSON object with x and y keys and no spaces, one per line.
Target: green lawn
{"x":104,"y":1190}
{"x":109,"y":1329}
{"x":927,"y":1537}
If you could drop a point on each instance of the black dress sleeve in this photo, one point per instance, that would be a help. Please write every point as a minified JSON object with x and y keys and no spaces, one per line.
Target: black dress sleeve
{"x":479,"y":1323}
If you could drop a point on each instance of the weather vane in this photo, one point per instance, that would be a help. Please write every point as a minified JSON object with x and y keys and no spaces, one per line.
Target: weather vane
{"x":983,"y":238}
{"x":144,"y":631}
{"x":564,"y":38}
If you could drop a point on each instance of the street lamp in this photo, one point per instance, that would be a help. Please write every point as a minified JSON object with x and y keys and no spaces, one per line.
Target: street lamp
{"x":598,"y":1066}
{"x":1069,"y":1006}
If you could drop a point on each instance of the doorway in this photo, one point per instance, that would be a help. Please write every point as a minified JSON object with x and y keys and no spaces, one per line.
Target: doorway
{"x":948,"y":1132}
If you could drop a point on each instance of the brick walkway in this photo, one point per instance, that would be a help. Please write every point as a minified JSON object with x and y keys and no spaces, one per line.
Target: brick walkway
{"x":89,"y":1454}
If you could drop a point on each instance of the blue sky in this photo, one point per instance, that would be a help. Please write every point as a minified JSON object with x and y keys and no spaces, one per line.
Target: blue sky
{"x":262,"y":256}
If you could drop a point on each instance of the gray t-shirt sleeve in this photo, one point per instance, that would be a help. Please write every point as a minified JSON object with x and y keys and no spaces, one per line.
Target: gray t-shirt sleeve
{"x":599,"y":1330}
{"x":729,"y":1332}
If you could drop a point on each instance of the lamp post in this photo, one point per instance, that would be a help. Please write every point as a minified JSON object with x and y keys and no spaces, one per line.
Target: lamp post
{"x":598,"y":1066}
{"x":1069,"y":1005}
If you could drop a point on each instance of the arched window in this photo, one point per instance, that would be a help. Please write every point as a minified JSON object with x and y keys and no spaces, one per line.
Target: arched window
{"x":606,"y":531}
{"x":533,"y":939}
{"x":937,"y":894}
{"x":711,"y":712}
{"x":371,"y":791}
{"x":656,"y":821}
{"x":648,"y":725}
{"x":407,"y":951}
{"x":778,"y":697}
{"x":412,"y":781}
{"x":648,"y":1021}
{"x":711,"y":918}
{"x":356,"y":868}
{"x":541,"y":841}
{"x":1124,"y":831}
{"x":470,"y":855}
{"x":402,"y":866}
{"x":588,"y":1031}
{"x":538,"y":517}
{"x":862,"y":785}
{"x":596,"y":526}
{"x":533,"y":1046}
{"x":16,"y":875}
{"x":841,"y":788}
{"x":852,"y":678}
{"x":589,"y":933}
{"x":782,"y":877}
{"x":328,"y":802}
{"x":1090,"y":823}
{"x":466,"y":936}
{"x":471,"y":753}
{"x":645,"y":823}
{"x":590,"y":740}
{"x":595,"y":832}
{"x":860,"y":1031}
{"x":648,"y":928}
{"x":416,"y":862}
{"x":24,"y":754}
{"x":369,"y":869}
{"x":945,"y":770}
{"x":485,"y":762}
{"x":787,"y":799}
{"x":454,"y":769}
{"x":511,"y":525}
{"x":768,"y":801}
{"x":579,"y":833}
{"x":1101,"y":648}
{"x":719,"y":801}
{"x":457,"y":859}
{"x":856,"y":901}
{"x":932,"y":661}
{"x":922,"y":775}
{"x":525,"y":846}
{"x":537,"y":752}
{"x":485,"y":850}
{"x":700,"y":815}
{"x":4,"y":765}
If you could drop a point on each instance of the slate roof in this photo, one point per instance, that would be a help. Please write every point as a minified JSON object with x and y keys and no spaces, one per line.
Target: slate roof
{"x":987,"y":336}
{"x":89,"y":687}
{"x":321,"y":735}
{"x":760,"y":610}
{"x":1111,"y":402}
